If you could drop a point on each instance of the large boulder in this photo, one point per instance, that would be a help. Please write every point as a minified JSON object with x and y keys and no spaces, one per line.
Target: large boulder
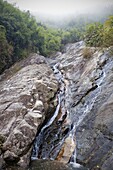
{"x":27,"y":91}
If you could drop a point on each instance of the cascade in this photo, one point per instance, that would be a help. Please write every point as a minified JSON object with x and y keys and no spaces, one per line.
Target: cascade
{"x":88,"y":105}
{"x":39,"y":138}
{"x":46,"y":129}
{"x":51,"y":137}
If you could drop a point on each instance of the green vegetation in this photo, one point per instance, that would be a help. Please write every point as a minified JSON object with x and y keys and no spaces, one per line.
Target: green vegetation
{"x":94,"y":35}
{"x":100,"y":35}
{"x":108,"y":32}
{"x":70,"y":36}
{"x":5,"y":49}
{"x":20,"y":35}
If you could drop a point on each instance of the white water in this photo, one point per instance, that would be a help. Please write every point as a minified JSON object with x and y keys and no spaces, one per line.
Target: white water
{"x":54,"y":116}
{"x":73,"y":158}
{"x":88,"y":106}
{"x":101,"y":80}
{"x":39,"y":138}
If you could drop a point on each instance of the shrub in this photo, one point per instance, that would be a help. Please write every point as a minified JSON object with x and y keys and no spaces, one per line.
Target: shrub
{"x":87,"y":52}
{"x":94,"y":35}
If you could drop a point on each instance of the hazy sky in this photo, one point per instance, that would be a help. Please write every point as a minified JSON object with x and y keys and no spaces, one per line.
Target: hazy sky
{"x":61,"y":7}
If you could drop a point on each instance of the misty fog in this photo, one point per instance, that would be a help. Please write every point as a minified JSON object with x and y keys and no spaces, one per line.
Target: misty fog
{"x":62,"y":7}
{"x":59,"y":11}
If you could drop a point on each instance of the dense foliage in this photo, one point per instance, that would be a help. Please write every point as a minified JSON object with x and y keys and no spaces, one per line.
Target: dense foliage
{"x":100,"y":35}
{"x":5,"y":49}
{"x":20,"y":35}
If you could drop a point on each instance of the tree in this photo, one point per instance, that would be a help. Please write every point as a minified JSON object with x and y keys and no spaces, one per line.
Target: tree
{"x":6,"y":50}
{"x":94,"y":35}
{"x":108,"y":32}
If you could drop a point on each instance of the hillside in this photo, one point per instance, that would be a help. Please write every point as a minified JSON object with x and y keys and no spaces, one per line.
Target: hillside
{"x":22,"y":34}
{"x":56,"y":92}
{"x":80,"y":121}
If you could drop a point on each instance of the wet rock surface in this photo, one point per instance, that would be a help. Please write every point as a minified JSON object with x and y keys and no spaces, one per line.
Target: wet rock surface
{"x":54,"y":136}
{"x":84,"y":123}
{"x":52,"y":165}
{"x":26,"y":98}
{"x":46,"y":165}
{"x":89,"y":101}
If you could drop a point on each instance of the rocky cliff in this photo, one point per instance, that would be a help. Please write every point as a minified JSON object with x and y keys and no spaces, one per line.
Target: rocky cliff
{"x":89,"y":101}
{"x":27,"y":95}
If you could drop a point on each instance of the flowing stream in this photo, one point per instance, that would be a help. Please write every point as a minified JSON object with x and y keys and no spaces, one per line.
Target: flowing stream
{"x":39,"y":138}
{"x":90,"y":100}
{"x":87,"y":107}
{"x":51,"y":137}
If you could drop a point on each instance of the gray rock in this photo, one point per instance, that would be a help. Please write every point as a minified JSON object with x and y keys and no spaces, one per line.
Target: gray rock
{"x":25,"y":97}
{"x":52,"y":165}
{"x":89,"y":101}
{"x":25,"y":101}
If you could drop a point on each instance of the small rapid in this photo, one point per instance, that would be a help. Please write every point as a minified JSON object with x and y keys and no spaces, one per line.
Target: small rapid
{"x":90,"y":100}
{"x":39,"y":138}
{"x":53,"y":135}
{"x":43,"y":138}
{"x":86,"y":107}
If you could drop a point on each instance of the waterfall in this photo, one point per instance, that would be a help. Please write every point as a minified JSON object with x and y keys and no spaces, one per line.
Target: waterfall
{"x":54,"y":148}
{"x":39,"y":138}
{"x":73,"y":158}
{"x":87,"y":108}
{"x":90,"y":102}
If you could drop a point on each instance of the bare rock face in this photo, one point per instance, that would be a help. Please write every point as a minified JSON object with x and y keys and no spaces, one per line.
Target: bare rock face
{"x":25,"y":97}
{"x":52,"y":165}
{"x":89,"y":101}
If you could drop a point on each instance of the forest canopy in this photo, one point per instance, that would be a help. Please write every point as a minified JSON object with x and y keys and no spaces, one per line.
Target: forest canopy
{"x":100,"y":35}
{"x":21,"y":34}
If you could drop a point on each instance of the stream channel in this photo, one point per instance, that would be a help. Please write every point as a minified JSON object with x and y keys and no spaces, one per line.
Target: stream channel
{"x":63,"y":124}
{"x":53,"y":134}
